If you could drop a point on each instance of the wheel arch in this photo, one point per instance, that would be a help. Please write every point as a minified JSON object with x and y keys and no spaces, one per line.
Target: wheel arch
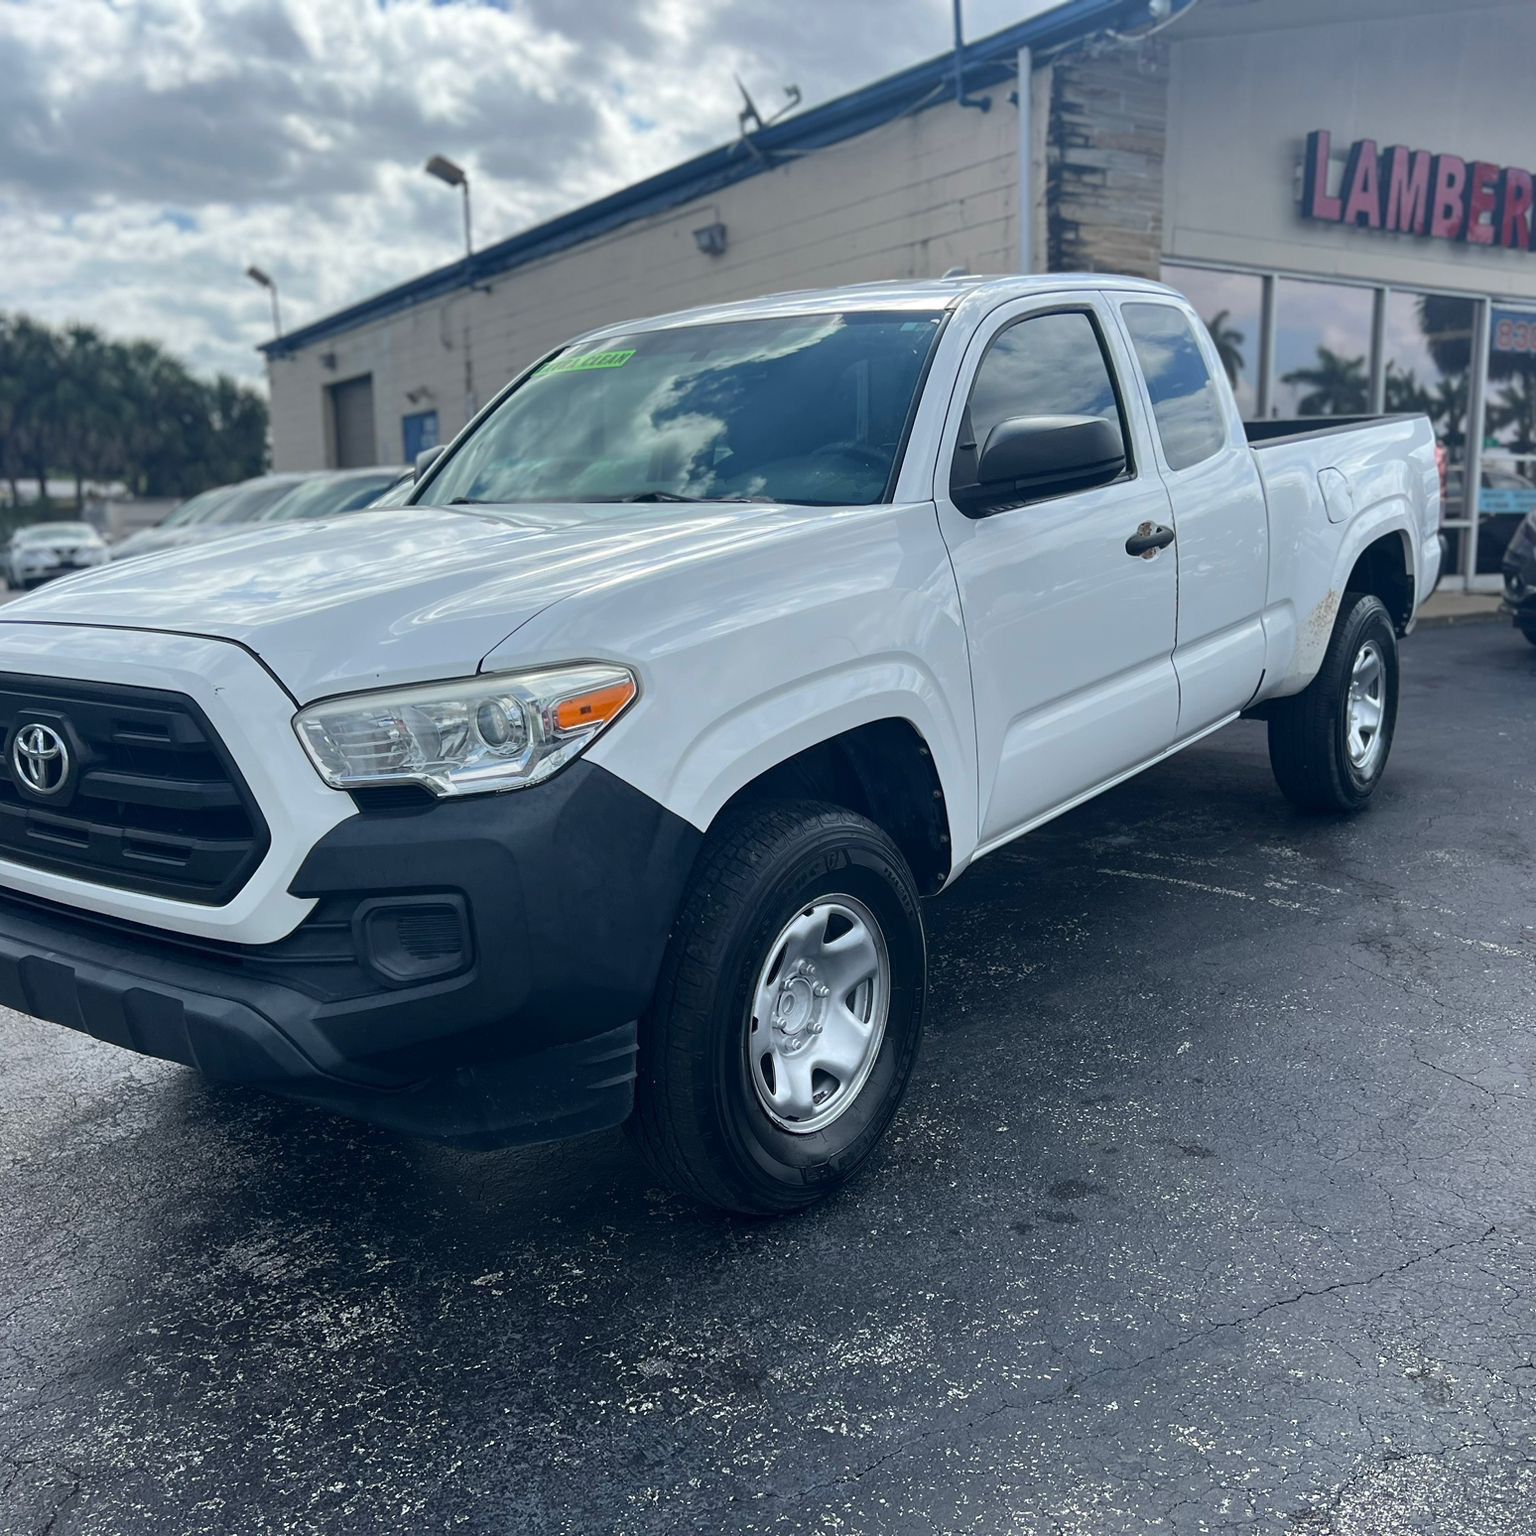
{"x":1385,"y":569}
{"x":883,"y":769}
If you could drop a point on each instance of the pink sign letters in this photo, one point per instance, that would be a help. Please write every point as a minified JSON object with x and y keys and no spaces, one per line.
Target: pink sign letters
{"x":1414,"y":192}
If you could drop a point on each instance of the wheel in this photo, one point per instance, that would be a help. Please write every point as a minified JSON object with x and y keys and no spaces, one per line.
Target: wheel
{"x":1529,"y":631}
{"x":1328,"y":744}
{"x":787,"y":1017}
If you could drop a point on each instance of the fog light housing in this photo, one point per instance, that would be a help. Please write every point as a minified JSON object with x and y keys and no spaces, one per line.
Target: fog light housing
{"x":408,"y":939}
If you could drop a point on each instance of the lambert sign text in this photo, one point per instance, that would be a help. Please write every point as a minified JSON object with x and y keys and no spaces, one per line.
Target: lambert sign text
{"x":1415,"y":192}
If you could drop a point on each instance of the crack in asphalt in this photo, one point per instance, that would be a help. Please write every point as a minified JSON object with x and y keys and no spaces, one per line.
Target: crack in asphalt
{"x":909,"y":1443}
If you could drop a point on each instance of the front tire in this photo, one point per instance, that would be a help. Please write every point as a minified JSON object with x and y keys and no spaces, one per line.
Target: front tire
{"x":1328,"y":744}
{"x":787,"y":1017}
{"x":1529,"y":631}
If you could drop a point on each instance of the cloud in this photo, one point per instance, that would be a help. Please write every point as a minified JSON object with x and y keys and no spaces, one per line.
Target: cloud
{"x":150,"y":151}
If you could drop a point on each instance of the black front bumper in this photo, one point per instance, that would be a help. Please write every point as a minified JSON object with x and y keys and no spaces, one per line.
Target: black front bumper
{"x":472,"y":970}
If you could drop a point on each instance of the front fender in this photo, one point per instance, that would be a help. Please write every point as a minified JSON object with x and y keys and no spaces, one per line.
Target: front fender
{"x":747,"y":658}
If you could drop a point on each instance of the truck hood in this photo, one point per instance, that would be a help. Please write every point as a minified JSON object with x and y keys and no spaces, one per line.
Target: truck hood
{"x":400,"y":595}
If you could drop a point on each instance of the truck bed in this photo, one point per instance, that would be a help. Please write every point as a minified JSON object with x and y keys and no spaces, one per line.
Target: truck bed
{"x":1286,"y":429}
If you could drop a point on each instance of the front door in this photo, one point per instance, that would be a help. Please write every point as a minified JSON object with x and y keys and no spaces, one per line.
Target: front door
{"x":1071,"y":636}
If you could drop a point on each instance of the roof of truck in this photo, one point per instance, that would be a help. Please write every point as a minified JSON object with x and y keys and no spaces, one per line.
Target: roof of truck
{"x":924,"y":294}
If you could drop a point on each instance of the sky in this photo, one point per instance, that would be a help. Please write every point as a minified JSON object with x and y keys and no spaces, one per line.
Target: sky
{"x":150,"y":150}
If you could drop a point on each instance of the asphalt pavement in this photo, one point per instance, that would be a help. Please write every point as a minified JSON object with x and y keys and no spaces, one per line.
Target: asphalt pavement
{"x":1211,"y":1210}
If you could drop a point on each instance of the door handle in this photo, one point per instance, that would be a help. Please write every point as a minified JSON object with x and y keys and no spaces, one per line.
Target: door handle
{"x":1148,"y":539}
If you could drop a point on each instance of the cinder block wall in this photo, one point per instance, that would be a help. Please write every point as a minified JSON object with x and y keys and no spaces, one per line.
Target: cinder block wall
{"x":1104,"y":158}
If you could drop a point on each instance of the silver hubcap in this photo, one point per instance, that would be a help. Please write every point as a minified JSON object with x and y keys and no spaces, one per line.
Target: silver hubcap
{"x":1366,"y":708}
{"x":818,"y":1014}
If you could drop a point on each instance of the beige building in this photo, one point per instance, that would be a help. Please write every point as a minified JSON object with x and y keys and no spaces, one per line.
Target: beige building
{"x":1340,"y":185}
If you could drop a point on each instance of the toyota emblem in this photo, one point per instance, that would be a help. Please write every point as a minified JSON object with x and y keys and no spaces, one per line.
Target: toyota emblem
{"x":40,"y":757}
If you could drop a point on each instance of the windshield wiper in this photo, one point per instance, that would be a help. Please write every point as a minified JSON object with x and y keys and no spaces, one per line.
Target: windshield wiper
{"x":468,"y":501}
{"x":677,"y":496}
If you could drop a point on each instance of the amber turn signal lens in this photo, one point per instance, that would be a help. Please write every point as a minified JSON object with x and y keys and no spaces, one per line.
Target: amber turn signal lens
{"x":595,"y":708}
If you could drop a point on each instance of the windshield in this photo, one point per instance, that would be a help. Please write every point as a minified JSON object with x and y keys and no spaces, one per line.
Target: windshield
{"x":248,"y":501}
{"x":326,"y":497}
{"x":47,"y":532}
{"x":800,"y":408}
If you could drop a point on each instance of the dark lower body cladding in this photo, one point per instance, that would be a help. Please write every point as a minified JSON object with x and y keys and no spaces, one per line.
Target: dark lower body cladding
{"x":472,"y":971}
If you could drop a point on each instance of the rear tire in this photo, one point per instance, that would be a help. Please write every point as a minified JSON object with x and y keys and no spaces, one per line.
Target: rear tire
{"x":1329,"y":744}
{"x":1529,"y":631}
{"x":786,"y":1021}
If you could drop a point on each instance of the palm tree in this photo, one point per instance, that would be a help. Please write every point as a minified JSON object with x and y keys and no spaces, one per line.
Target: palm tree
{"x":75,"y":401}
{"x":1404,"y":393}
{"x":1515,"y":411}
{"x":1448,"y":409}
{"x":1229,"y":341}
{"x":1336,"y":385}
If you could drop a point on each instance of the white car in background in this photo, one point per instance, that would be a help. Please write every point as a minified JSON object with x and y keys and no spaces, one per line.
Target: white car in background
{"x":46,"y":550}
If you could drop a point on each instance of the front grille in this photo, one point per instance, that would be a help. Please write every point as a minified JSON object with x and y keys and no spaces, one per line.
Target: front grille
{"x":152,"y":802}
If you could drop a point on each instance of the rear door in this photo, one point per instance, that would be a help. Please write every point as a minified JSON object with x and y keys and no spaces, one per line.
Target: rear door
{"x":1071,"y":635}
{"x":1219,"y":510}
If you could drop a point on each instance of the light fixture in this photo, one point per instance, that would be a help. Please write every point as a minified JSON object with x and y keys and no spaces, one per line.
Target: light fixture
{"x":710,"y":239}
{"x":453,"y":175}
{"x":259,"y":277}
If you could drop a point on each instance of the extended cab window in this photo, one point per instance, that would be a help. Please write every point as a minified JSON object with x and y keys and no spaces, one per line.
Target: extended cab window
{"x":1185,"y":404}
{"x":1043,"y":365}
{"x":808,"y":408}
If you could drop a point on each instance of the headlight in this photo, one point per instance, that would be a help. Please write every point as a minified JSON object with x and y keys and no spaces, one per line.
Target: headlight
{"x":501,"y":731}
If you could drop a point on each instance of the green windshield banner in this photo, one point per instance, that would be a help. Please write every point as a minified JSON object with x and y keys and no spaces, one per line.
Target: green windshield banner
{"x":581,"y":362}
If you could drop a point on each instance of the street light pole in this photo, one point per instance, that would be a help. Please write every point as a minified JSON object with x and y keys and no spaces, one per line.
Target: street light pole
{"x":454,"y":176}
{"x":256,"y":275}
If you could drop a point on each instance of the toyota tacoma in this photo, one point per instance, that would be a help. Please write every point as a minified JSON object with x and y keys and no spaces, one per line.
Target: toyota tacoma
{"x":604,"y":780}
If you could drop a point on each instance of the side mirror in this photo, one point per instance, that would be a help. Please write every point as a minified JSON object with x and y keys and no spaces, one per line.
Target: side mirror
{"x":1026,"y":458}
{"x":426,"y":459}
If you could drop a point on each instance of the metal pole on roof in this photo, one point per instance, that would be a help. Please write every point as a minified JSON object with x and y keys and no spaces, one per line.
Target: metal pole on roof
{"x":981,"y":103}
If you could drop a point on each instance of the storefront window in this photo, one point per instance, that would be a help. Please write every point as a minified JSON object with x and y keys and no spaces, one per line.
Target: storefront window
{"x":1322,"y":349}
{"x":1508,"y":491}
{"x":1232,"y":306}
{"x":1428,"y":346}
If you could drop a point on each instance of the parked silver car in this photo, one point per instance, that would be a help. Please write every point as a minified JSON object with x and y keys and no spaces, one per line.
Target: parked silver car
{"x":231,"y":509}
{"x":327,"y":495}
{"x":208,"y":516}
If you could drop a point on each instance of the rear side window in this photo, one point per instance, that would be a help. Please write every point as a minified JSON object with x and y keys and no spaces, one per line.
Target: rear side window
{"x":1043,"y":365}
{"x":1185,"y":404}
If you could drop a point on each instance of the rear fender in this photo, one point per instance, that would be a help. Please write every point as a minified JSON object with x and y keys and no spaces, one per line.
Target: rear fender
{"x":1304,"y":626}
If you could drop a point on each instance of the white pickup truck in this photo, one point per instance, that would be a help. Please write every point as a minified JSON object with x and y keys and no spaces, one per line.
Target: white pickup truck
{"x":603,"y":781}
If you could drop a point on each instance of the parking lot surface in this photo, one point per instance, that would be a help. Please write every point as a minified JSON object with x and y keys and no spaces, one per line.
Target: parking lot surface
{"x":1211,"y":1210}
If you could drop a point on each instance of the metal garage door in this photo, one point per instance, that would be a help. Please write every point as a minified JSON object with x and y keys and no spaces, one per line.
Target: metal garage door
{"x":352,"y":414}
